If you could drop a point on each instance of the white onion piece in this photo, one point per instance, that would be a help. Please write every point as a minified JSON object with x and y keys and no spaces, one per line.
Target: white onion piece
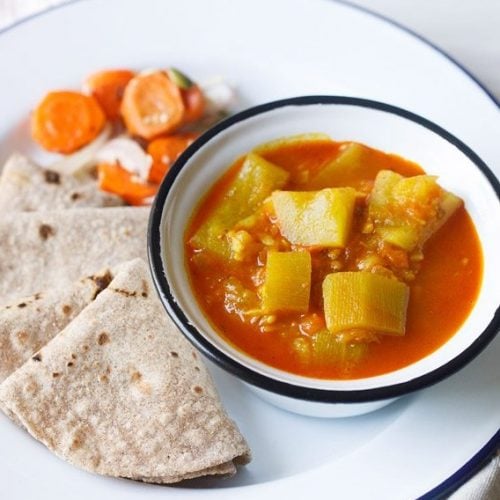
{"x":84,"y":158}
{"x":220,"y":97}
{"x":128,"y":154}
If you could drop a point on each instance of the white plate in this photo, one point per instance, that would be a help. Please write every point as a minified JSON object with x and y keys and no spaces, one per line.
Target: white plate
{"x":271,"y":50}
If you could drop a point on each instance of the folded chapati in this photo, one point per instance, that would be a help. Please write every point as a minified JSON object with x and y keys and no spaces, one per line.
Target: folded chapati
{"x":26,"y":187}
{"x":27,"y":324}
{"x":47,"y":250}
{"x":120,"y":392}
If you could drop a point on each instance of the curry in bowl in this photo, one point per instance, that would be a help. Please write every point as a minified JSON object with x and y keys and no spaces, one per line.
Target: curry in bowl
{"x":331,"y":259}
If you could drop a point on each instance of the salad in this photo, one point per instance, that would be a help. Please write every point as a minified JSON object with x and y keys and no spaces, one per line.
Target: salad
{"x":129,"y":126}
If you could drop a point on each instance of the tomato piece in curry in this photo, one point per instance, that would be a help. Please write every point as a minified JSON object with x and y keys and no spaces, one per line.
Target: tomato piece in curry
{"x":332,"y":260}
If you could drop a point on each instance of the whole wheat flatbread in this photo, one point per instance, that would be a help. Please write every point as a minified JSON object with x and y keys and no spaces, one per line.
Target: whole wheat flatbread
{"x":27,"y":187}
{"x":27,"y":324}
{"x":120,"y":392}
{"x":47,"y":250}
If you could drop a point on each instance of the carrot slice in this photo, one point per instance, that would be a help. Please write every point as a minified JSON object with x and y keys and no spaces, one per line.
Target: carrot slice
{"x":152,"y":105}
{"x":108,"y":88}
{"x":165,"y":151}
{"x":194,"y":103}
{"x":115,"y":179}
{"x":64,"y":121}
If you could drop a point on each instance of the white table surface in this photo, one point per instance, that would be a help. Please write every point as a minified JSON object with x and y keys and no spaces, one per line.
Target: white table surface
{"x":468,"y":30}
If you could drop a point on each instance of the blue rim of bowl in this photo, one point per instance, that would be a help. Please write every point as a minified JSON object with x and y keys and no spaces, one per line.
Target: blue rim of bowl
{"x":258,"y":379}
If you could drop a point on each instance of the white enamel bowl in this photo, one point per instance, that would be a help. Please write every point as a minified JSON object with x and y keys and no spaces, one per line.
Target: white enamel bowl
{"x":378,"y":125}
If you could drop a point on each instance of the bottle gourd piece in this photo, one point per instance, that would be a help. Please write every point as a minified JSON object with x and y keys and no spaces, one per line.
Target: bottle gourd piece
{"x":325,"y":349}
{"x":290,"y":140}
{"x":315,"y":218}
{"x":365,"y":301}
{"x":328,"y":349}
{"x":352,"y":163}
{"x":407,"y":211}
{"x":287,"y":284}
{"x":255,"y":181}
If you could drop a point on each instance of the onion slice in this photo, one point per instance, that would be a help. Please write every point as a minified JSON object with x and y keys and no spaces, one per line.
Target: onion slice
{"x":220,"y":97}
{"x":128,"y":154}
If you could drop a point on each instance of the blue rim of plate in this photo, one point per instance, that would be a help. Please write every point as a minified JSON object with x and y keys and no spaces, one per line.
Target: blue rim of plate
{"x":488,"y":451}
{"x":466,"y":472}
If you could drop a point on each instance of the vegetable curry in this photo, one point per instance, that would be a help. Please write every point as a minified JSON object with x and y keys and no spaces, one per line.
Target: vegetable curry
{"x":332,"y":260}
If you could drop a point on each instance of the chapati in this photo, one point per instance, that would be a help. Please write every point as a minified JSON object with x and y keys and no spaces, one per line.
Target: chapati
{"x":42,"y":250}
{"x":28,"y":323}
{"x":25,"y":186}
{"x":121,"y":392}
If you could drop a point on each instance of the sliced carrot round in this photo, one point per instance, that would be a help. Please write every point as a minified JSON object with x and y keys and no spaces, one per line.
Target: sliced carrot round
{"x":108,"y":88}
{"x":64,"y":121}
{"x":194,"y":103}
{"x":152,"y":105}
{"x":164,"y":151}
{"x":115,"y":179}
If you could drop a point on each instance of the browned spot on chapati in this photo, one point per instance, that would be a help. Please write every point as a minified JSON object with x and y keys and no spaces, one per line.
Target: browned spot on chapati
{"x":52,"y":177}
{"x":73,"y":356}
{"x":197,"y":389}
{"x":75,"y":196}
{"x":45,"y":231}
{"x":31,"y":388}
{"x":37,"y":296}
{"x":55,"y":374}
{"x":22,"y":304}
{"x":193,"y":354}
{"x":197,"y":368}
{"x":145,"y":288}
{"x":101,"y":282}
{"x":37,"y":357}
{"x":66,"y":309}
{"x":122,"y":291}
{"x":93,"y":174}
{"x":22,"y":337}
{"x":174,"y":354}
{"x":78,"y":441}
{"x":69,"y":364}
{"x":85,"y":347}
{"x":137,"y":379}
{"x":104,"y":379}
{"x":103,"y":338}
